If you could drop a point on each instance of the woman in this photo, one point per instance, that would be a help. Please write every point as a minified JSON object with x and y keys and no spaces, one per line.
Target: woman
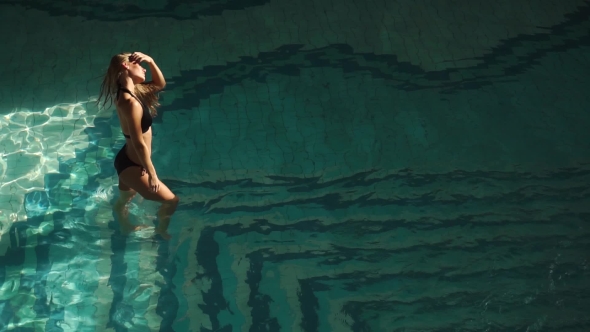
{"x":136,"y":101}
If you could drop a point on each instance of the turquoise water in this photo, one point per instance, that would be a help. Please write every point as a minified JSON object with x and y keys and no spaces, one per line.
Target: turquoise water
{"x":366,"y":166}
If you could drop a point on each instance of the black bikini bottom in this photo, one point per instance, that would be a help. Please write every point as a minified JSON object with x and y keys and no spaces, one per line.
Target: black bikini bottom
{"x":123,"y":162}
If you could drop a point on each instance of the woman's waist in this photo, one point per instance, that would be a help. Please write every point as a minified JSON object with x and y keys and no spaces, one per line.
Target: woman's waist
{"x":132,"y":152}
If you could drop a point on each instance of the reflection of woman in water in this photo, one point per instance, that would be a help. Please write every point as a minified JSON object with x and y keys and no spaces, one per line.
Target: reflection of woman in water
{"x":136,"y":102}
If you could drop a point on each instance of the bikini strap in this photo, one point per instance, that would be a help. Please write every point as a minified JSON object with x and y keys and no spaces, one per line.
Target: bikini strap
{"x":131,"y":93}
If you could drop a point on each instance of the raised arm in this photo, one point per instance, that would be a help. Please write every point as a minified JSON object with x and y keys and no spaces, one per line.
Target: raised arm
{"x":158,"y":80}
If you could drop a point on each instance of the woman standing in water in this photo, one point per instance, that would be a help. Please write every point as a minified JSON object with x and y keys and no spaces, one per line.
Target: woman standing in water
{"x":136,"y":101}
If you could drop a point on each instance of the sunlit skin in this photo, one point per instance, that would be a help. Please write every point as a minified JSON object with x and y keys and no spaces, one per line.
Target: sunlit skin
{"x":139,"y":174}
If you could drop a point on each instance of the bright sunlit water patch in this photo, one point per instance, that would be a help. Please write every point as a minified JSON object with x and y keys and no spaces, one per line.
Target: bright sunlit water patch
{"x":323,"y":187}
{"x":32,"y":145}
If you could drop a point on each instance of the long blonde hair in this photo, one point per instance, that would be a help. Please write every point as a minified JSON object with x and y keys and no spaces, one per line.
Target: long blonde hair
{"x":147,"y":93}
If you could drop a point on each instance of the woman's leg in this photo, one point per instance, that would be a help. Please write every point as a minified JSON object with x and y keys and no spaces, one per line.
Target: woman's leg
{"x":133,"y":178}
{"x":165,"y":212}
{"x":121,"y":208}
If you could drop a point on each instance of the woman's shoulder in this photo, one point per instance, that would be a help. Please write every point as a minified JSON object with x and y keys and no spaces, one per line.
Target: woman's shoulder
{"x":128,"y":103}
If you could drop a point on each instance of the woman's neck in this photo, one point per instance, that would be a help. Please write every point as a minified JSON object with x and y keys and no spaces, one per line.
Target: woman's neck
{"x":127,"y":83}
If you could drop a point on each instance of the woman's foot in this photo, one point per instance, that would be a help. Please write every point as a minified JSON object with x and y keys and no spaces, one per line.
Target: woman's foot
{"x":162,"y":233}
{"x":162,"y":227}
{"x":128,"y":228}
{"x":121,"y":212}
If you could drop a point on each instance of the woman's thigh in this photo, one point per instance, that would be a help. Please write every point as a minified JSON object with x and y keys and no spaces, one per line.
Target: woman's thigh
{"x":132,"y":177}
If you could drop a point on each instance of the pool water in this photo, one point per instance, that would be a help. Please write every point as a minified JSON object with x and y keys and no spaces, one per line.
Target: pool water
{"x":350,"y":166}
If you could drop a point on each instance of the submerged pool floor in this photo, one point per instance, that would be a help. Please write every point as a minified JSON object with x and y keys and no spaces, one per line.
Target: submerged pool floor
{"x":350,"y":166}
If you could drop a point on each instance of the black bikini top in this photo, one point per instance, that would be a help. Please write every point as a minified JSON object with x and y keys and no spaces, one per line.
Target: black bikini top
{"x":146,"y":118}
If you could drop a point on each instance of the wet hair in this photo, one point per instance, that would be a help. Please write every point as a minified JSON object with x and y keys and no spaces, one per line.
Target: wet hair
{"x":147,"y":93}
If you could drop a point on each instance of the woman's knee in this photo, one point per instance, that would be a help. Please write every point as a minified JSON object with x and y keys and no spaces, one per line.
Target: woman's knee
{"x":173,"y":201}
{"x":168,"y":206}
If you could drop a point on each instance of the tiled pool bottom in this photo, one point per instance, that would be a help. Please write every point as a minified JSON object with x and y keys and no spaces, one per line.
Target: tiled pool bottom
{"x":316,"y":217}
{"x":323,"y":189}
{"x":343,"y":255}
